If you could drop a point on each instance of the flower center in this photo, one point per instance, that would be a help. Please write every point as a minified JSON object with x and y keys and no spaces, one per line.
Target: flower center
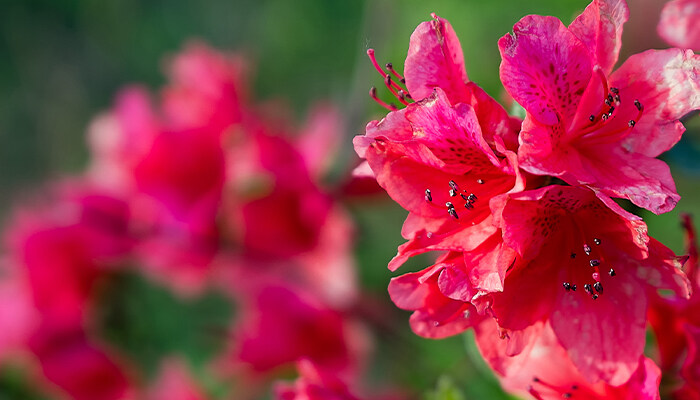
{"x":605,"y":126}
{"x":456,"y":199}
{"x":539,"y":388}
{"x":586,"y":264}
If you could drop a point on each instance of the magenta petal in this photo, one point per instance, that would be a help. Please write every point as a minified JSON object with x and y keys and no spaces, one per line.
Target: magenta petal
{"x":604,"y":337}
{"x":435,"y":59}
{"x":679,"y":24}
{"x":545,"y":68}
{"x":667,"y":84}
{"x":600,"y":28}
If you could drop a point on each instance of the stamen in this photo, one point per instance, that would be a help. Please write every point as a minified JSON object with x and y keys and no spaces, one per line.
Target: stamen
{"x":373,"y":95}
{"x":587,"y":249}
{"x":428,"y":195}
{"x":453,"y":193}
{"x":451,"y":210}
{"x":390,"y":85}
{"x":596,"y":241}
{"x":631,"y":123}
{"x":453,"y":185}
{"x":370,"y":54}
{"x":390,"y":68}
{"x":638,"y":105}
{"x":567,"y":286}
{"x":611,"y":272}
{"x":594,"y":263}
{"x":598,"y":287}
{"x":591,"y":118}
{"x":480,"y":181}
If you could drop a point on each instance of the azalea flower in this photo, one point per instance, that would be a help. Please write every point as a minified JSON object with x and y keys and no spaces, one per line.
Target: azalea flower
{"x":60,"y":252}
{"x":313,"y":384}
{"x":676,"y":323}
{"x":544,"y":370}
{"x":679,"y":24}
{"x":589,"y":126}
{"x":588,"y":268}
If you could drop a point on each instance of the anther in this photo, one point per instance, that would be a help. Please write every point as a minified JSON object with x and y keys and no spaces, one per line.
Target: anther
{"x":566,"y":395}
{"x":573,"y":287}
{"x":594,"y":263}
{"x":464,"y":197}
{"x":611,"y":272}
{"x":617,"y":98}
{"x":428,"y":195}
{"x":567,"y":286}
{"x":605,"y":116}
{"x":480,"y":181}
{"x":594,"y":297}
{"x":631,"y":123}
{"x":573,"y":255}
{"x":638,"y":105}
{"x":596,"y":241}
{"x":451,"y":210}
{"x":587,"y":249}
{"x":615,"y":90}
{"x":471,"y":197}
{"x":608,"y":102}
{"x":454,"y":186}
{"x":587,"y":288}
{"x":598,"y":287}
{"x":453,"y":193}
{"x":591,"y":118}
{"x":468,"y":205}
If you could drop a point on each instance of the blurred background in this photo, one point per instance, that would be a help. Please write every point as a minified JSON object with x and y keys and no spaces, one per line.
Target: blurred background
{"x":63,"y":61}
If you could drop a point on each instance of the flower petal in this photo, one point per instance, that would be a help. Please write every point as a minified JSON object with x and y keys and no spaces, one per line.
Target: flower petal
{"x":545,"y":68}
{"x":600,"y":28}
{"x":435,"y":59}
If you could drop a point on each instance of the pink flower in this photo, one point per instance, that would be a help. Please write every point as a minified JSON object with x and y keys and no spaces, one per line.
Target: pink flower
{"x":678,"y":24}
{"x":63,"y":248}
{"x":676,"y":323}
{"x":76,"y":365}
{"x":582,"y":121}
{"x":544,"y":370}
{"x":208,"y":89}
{"x":281,"y":323}
{"x":432,"y":158}
{"x":174,"y":382}
{"x":435,"y":60}
{"x":589,"y":271}
{"x":313,"y":384}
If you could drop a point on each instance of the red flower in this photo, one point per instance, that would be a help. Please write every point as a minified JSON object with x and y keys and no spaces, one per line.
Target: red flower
{"x":589,"y":271}
{"x":584,"y":122}
{"x":313,"y":384}
{"x":679,"y":24}
{"x":544,"y":370}
{"x":432,"y":159}
{"x":676,"y":323}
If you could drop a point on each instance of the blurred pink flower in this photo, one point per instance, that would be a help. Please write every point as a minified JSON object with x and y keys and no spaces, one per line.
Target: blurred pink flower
{"x":583,"y":121}
{"x":313,"y":384}
{"x":679,"y":24}
{"x":174,"y":382}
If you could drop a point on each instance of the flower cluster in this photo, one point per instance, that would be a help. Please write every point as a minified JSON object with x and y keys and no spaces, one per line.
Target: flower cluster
{"x":554,"y":275}
{"x":201,"y":190}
